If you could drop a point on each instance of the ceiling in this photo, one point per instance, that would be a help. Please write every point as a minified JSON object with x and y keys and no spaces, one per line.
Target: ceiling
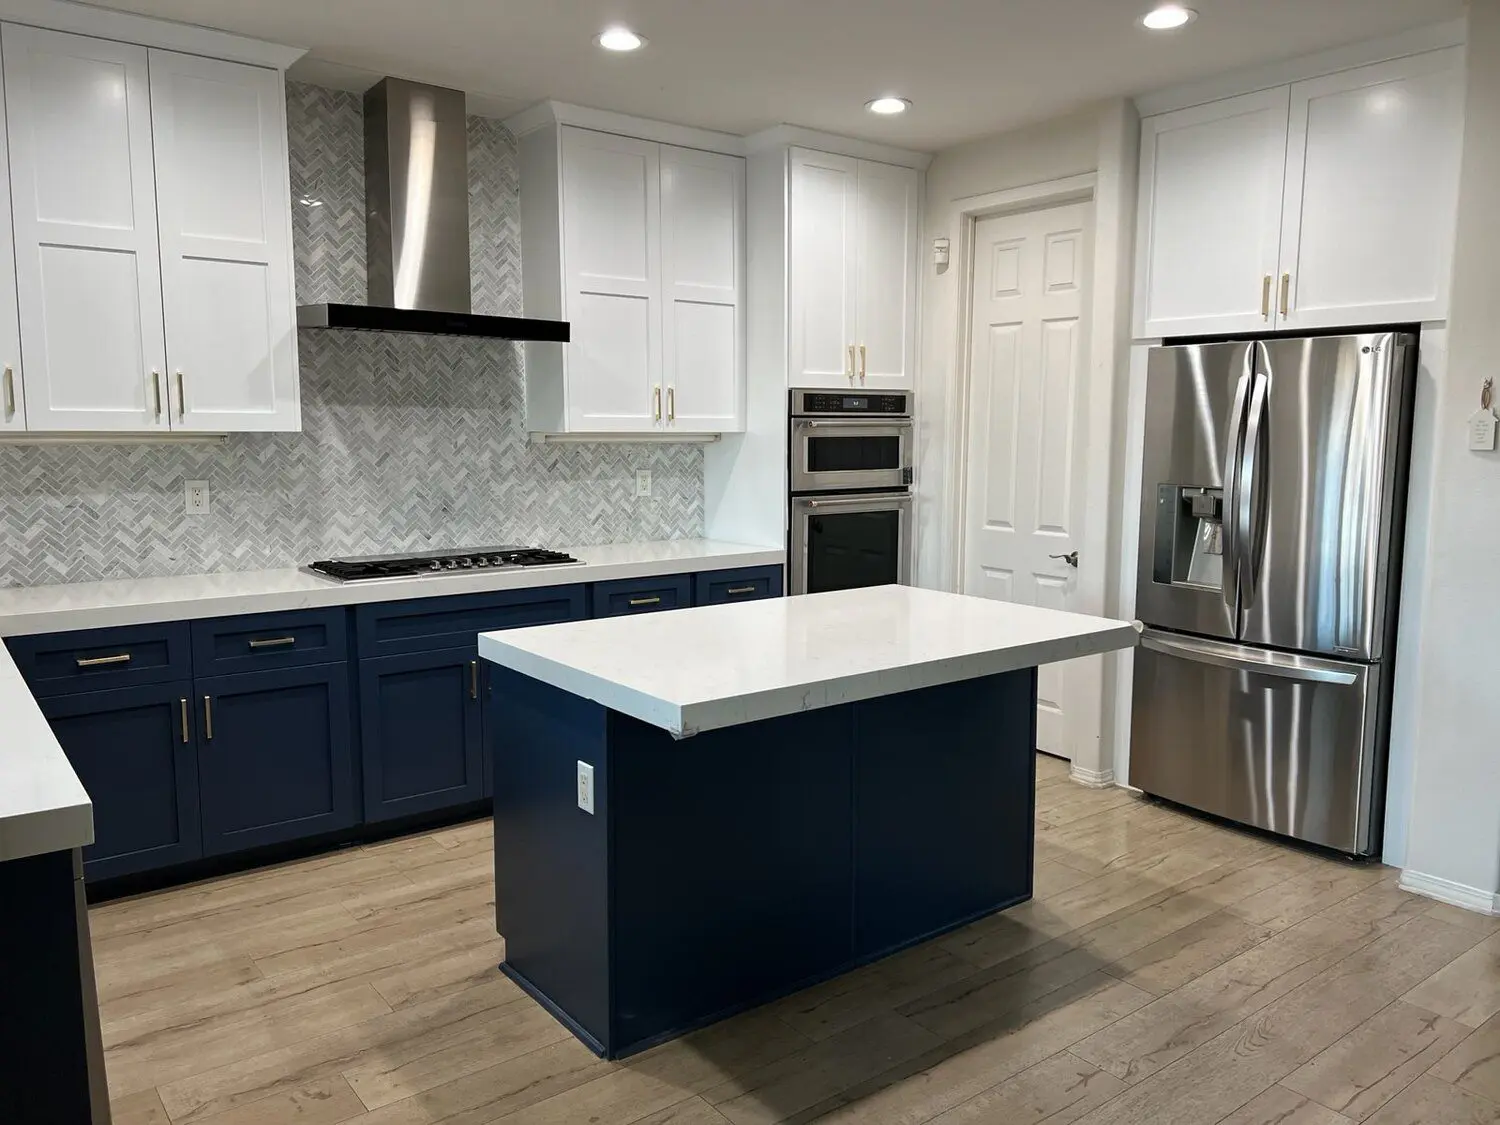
{"x":970,"y":67}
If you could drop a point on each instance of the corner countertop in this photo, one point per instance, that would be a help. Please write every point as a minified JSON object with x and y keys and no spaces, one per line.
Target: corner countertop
{"x":718,"y":666}
{"x":96,"y":605}
{"x":43,"y":806}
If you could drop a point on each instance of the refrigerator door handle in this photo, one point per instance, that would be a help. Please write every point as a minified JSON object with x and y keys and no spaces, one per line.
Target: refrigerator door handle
{"x":1234,"y":444}
{"x":1260,"y":662}
{"x":1250,"y":519}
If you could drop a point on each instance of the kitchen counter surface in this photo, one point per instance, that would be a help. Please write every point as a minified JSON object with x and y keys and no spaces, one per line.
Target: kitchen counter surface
{"x":43,"y":806}
{"x":95,"y":605}
{"x":718,"y":666}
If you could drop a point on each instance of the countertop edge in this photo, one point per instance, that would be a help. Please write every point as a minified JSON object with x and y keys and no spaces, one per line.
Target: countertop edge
{"x":60,"y":816}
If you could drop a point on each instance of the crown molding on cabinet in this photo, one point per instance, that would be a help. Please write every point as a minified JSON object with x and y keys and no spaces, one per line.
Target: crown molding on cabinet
{"x":126,"y":27}
{"x":1453,"y":33}
{"x":795,"y":136}
{"x":544,"y":114}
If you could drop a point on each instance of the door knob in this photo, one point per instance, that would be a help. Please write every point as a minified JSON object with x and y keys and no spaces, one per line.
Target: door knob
{"x":1071,"y":558}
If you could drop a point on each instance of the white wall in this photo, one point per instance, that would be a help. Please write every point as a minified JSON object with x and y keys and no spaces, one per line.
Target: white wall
{"x":1453,"y":843}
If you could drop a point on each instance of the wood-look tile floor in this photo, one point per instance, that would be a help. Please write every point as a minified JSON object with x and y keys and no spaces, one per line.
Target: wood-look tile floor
{"x":1168,"y":972}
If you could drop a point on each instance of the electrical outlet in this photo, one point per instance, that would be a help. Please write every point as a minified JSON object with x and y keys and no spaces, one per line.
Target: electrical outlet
{"x":586,"y":787}
{"x":195,"y":497}
{"x":643,"y":482}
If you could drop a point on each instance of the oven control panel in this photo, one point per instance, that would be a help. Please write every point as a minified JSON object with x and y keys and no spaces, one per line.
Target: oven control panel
{"x":838,"y":402}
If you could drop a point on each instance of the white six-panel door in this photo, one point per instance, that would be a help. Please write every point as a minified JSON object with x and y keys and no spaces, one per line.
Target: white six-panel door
{"x":703,"y":269}
{"x":612,"y":281}
{"x":221,"y":183}
{"x":886,"y":272}
{"x":1025,"y":443}
{"x":84,"y":206}
{"x":12,"y":385}
{"x":822,"y":267}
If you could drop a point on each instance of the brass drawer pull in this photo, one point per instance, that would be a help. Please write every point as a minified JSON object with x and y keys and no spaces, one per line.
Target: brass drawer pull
{"x":740,"y":590}
{"x":671,"y":404}
{"x":656,"y":403}
{"x":100,"y":661}
{"x":183,"y":702}
{"x":1265,"y":297}
{"x":646,"y":601}
{"x":850,"y":372}
{"x":1286,"y":294}
{"x":473,"y":679}
{"x":274,"y":642}
{"x":208,"y":717}
{"x":862,"y":365}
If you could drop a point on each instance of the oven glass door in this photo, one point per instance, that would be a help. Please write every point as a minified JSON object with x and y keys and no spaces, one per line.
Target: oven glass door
{"x":850,"y":453}
{"x":848,"y":542}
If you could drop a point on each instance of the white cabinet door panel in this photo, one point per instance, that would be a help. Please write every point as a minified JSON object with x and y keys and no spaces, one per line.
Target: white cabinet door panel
{"x":702,"y":255}
{"x":12,"y":381}
{"x":886,"y":268}
{"x":84,"y":205}
{"x":222,"y":192}
{"x":612,"y":278}
{"x":1210,"y":228}
{"x":822,"y":322}
{"x":1372,"y":191}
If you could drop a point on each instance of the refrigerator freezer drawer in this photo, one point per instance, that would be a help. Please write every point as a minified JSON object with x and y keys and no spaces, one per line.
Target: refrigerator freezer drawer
{"x":1292,"y":744}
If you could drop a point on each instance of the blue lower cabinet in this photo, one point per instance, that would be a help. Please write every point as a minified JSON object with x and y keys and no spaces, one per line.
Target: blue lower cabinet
{"x":275,"y":757}
{"x":642,"y":595}
{"x":133,"y":749}
{"x":420,"y":721}
{"x":747,"y":584}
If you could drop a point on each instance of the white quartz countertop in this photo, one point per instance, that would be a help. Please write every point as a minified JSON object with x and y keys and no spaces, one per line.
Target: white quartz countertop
{"x":96,"y":605}
{"x":43,"y":807}
{"x":719,"y":666}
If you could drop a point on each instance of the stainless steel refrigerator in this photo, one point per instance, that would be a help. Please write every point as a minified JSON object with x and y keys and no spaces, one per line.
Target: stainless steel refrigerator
{"x":1272,"y":513}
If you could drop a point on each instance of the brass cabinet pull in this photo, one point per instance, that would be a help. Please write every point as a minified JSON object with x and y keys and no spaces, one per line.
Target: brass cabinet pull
{"x":851,"y":365}
{"x":10,"y":394}
{"x":274,"y":642}
{"x":1286,"y":294}
{"x":656,"y":403}
{"x":156,"y":392}
{"x":473,"y":679}
{"x":1265,"y":297}
{"x":861,"y":365}
{"x":181,"y":400}
{"x":97,"y":661}
{"x":646,"y":601}
{"x":208,"y":717}
{"x":183,"y":702}
{"x":740,"y":590}
{"x":671,"y":404}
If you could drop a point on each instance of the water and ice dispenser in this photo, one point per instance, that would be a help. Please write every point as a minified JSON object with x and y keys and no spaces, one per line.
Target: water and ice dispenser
{"x":1189,"y":537}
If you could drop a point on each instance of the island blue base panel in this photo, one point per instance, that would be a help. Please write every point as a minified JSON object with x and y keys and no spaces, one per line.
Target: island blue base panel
{"x":721,"y":871}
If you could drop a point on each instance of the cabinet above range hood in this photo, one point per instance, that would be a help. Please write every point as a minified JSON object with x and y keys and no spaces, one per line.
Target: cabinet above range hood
{"x":417,"y":224}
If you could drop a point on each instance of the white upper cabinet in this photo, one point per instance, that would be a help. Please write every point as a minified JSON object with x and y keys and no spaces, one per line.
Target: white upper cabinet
{"x":84,"y":205}
{"x":226,"y":255}
{"x":1329,"y":203}
{"x":703,"y":271}
{"x":640,"y":246}
{"x":1372,"y":187}
{"x":12,"y":383}
{"x":1211,"y":188}
{"x":853,"y":272}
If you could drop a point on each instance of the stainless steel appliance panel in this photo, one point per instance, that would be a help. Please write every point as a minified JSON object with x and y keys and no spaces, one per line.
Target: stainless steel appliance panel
{"x":1196,"y":397}
{"x":845,"y":542}
{"x":1287,"y":743}
{"x":843,"y":453}
{"x":1322,"y":496}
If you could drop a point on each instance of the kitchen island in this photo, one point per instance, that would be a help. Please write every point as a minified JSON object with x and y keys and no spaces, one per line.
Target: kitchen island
{"x":700,"y":811}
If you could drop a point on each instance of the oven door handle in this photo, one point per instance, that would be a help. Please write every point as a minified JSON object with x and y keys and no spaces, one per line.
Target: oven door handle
{"x":856,"y":423}
{"x":875,"y":501}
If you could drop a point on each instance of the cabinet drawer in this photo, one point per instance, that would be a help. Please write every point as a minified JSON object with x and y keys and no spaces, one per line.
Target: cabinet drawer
{"x":96,"y":659}
{"x":642,"y":595}
{"x":715,"y":587}
{"x":430,"y":624}
{"x":224,"y":645}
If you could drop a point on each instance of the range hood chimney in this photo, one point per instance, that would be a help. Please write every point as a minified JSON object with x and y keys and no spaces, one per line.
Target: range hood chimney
{"x":417,"y":223}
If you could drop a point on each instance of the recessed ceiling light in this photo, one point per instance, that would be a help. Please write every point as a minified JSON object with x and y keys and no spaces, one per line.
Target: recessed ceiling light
{"x":619,"y":39}
{"x":1168,"y":17}
{"x":888,"y":106}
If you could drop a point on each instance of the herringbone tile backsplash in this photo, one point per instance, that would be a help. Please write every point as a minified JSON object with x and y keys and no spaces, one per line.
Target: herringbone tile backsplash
{"x":408,"y":441}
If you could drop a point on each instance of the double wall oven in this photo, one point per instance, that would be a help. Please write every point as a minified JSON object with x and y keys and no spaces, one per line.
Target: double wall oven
{"x":850,"y":479}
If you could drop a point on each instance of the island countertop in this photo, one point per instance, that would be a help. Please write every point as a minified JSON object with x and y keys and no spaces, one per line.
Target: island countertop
{"x":703,"y":669}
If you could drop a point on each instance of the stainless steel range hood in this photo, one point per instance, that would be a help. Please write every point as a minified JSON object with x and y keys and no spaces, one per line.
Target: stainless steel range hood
{"x":417,"y":223}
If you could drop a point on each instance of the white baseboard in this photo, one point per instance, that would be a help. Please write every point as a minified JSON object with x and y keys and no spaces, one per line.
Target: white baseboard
{"x":1092,"y":779}
{"x":1454,"y":894}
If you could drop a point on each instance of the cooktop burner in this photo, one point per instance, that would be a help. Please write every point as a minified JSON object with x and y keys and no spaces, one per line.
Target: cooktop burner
{"x":374,"y":567}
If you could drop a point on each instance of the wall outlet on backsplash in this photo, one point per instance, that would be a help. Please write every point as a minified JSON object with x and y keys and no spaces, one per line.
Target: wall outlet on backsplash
{"x":195,"y":497}
{"x":643,"y":482}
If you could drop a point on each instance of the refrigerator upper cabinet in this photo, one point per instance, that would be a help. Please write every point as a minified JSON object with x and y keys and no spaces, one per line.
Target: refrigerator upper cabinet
{"x":1196,"y":397}
{"x":1325,"y":464}
{"x":1210,"y":217}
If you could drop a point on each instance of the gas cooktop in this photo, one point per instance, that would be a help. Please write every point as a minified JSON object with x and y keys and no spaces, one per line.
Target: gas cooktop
{"x":371,"y":568}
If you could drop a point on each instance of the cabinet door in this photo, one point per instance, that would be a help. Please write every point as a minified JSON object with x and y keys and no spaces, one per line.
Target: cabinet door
{"x":1372,"y":192}
{"x":223,"y":204}
{"x":822,"y":269}
{"x":12,"y":382}
{"x":885,"y":250}
{"x":612,"y":278}
{"x":84,"y":203}
{"x":703,"y":270}
{"x":133,"y":750}
{"x":1210,"y":222}
{"x":420,"y":732}
{"x":274,"y":756}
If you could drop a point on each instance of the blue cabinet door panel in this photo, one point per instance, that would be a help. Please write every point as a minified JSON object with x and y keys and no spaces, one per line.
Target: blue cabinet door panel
{"x":420,"y":723}
{"x":99,"y":659}
{"x":224,"y":645}
{"x":715,"y":587}
{"x":432,"y":624}
{"x":274,"y":756}
{"x":642,"y":595}
{"x":136,"y":759}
